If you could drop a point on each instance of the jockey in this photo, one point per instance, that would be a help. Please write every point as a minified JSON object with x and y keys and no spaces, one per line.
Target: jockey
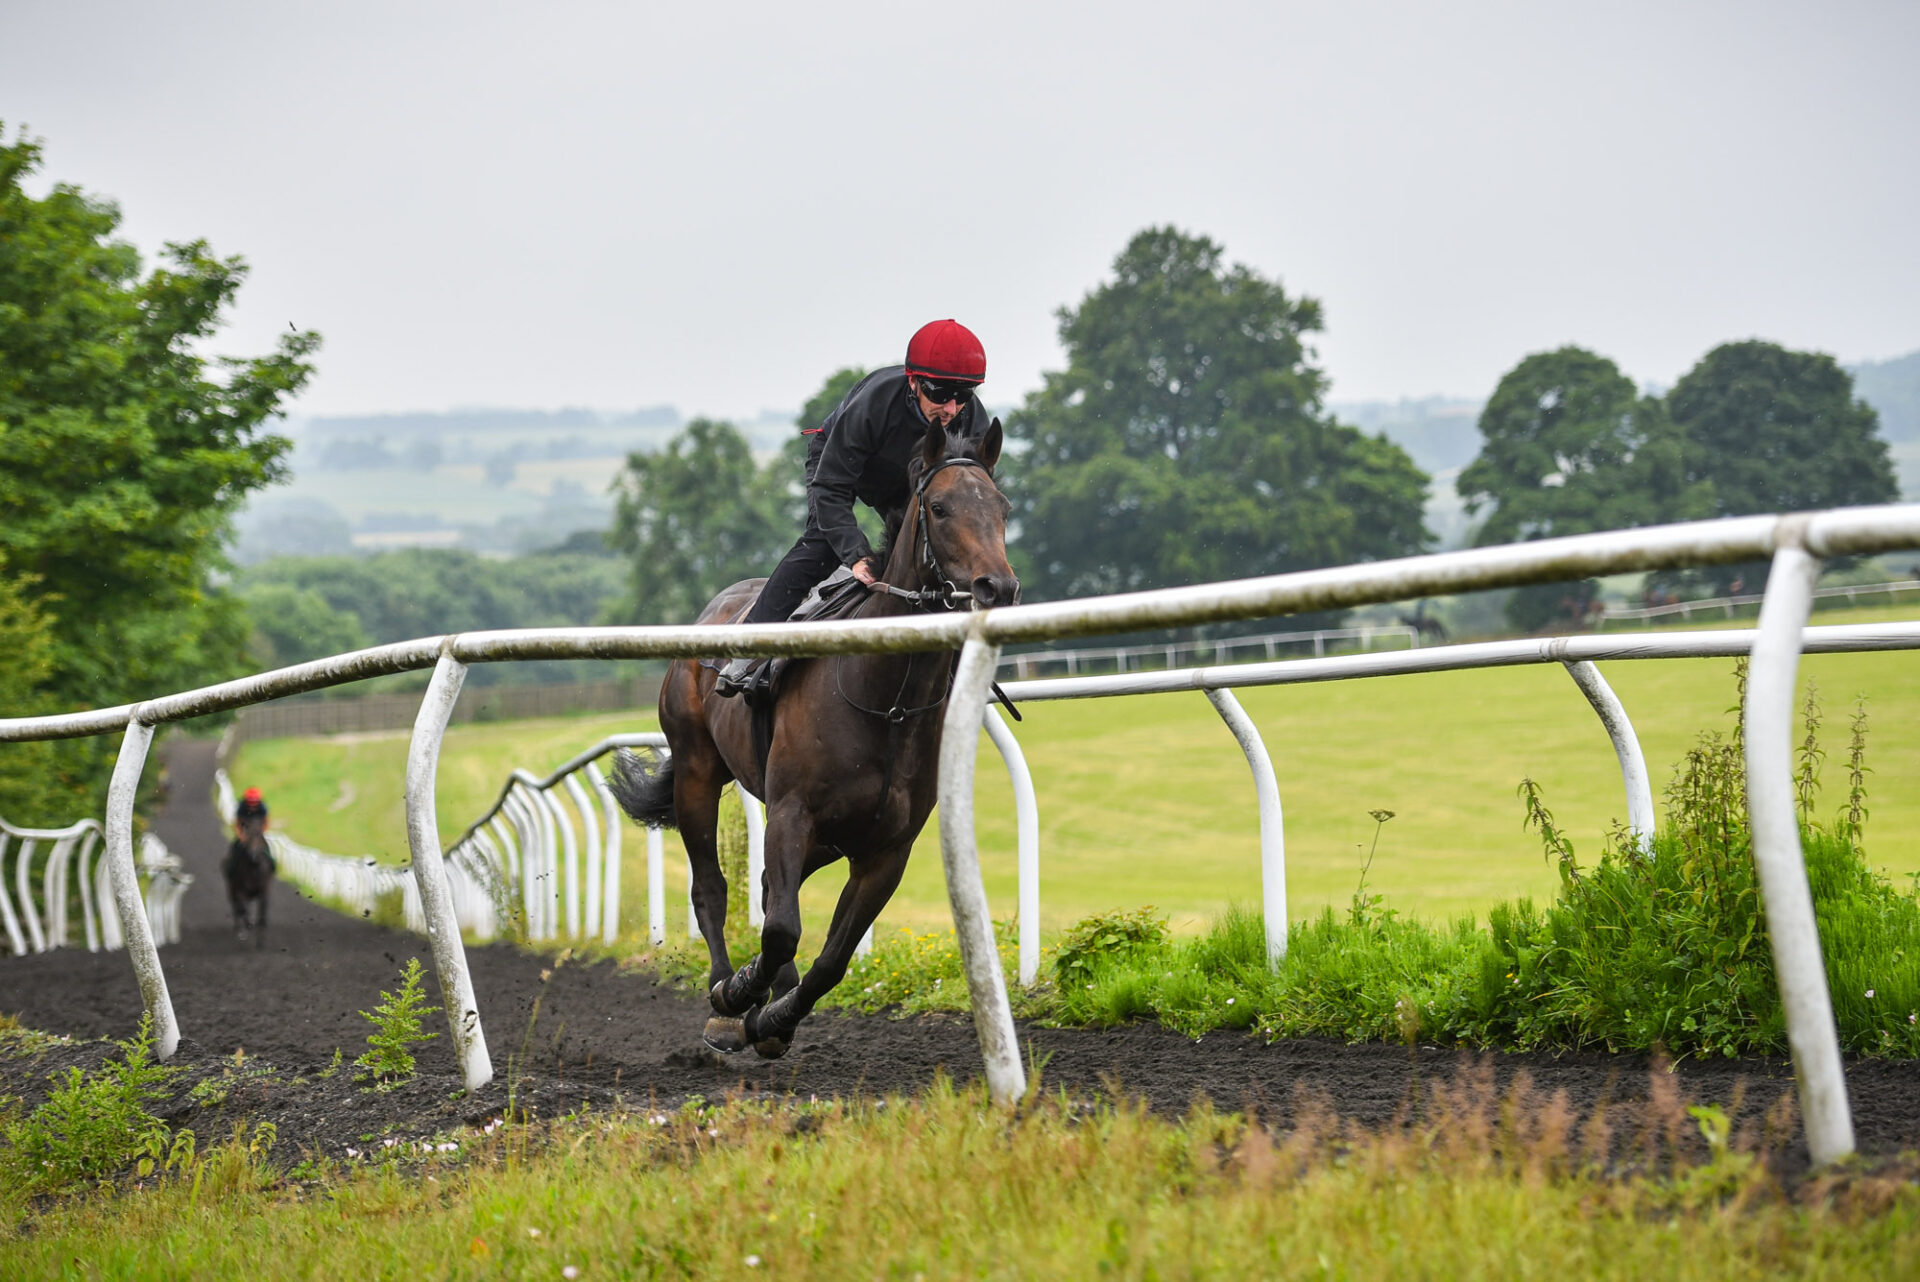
{"x":861,"y":452}
{"x":252,"y":806}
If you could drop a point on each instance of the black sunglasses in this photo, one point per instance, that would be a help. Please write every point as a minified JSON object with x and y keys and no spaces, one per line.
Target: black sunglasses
{"x":940,"y":393}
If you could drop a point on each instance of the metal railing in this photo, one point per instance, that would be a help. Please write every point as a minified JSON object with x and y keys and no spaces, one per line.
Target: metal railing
{"x":1795,"y":544}
{"x":1029,"y":663}
{"x":1726,"y":605}
{"x":44,"y":925}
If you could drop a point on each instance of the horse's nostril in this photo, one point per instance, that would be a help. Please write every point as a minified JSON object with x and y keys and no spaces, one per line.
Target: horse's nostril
{"x":992,"y":590}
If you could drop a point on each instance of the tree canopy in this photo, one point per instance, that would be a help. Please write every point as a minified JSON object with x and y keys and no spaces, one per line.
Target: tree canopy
{"x":694,"y":517}
{"x":1186,"y":439}
{"x":1568,"y":447}
{"x":124,"y":449}
{"x":306,"y":607}
{"x":1774,"y":430}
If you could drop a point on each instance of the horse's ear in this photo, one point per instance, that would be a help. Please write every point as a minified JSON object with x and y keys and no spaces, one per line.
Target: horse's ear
{"x":933,"y":446}
{"x":988,"y":451}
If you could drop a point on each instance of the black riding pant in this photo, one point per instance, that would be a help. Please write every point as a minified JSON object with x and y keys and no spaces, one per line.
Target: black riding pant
{"x":805,"y":564}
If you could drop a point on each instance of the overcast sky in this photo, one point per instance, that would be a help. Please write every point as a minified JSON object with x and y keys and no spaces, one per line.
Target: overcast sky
{"x":623,"y":205}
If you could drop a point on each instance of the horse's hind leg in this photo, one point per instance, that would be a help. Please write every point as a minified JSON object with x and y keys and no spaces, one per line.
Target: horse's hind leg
{"x":771,"y":1027}
{"x":698,"y":777}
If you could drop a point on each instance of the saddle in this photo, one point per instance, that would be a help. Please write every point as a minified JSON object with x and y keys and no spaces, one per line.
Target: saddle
{"x":834,"y":597}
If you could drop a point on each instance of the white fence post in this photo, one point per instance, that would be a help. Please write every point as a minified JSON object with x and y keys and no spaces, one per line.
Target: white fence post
{"x":756,"y":856}
{"x":1026,"y":814}
{"x":1626,"y":746}
{"x":15,"y":938}
{"x":430,"y":873}
{"x":590,"y":834}
{"x":656,"y":887}
{"x":132,"y":913}
{"x":610,"y":882}
{"x":1273,"y":835}
{"x":1791,"y":926}
{"x":986,"y":986}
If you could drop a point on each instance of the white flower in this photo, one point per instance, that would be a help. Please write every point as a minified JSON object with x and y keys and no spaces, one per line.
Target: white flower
{"x":447,"y":1148}
{"x":1869,"y":992}
{"x":753,"y":1261}
{"x":1229,"y":1001}
{"x":533,"y":1232}
{"x":570,"y":1272}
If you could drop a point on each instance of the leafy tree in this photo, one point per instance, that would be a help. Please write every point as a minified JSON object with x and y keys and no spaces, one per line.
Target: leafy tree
{"x":1569,"y":447}
{"x":1773,"y":430}
{"x":695,"y":517}
{"x":308,"y":606}
{"x":1186,"y":440}
{"x":31,"y":789}
{"x":124,"y":450}
{"x":292,"y":625}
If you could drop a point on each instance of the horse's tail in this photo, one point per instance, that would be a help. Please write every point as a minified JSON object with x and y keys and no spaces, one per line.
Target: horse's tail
{"x":643,"y":785}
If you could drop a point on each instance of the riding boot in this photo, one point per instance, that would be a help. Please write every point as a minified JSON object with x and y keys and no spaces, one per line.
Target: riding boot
{"x":807,"y":562}
{"x":733,"y":678}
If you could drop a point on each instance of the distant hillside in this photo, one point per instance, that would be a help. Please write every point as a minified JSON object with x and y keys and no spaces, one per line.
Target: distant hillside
{"x":1893,"y":388}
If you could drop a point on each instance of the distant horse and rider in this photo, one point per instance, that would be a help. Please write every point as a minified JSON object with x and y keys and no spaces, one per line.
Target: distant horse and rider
{"x":843,"y":750}
{"x":249,"y":868}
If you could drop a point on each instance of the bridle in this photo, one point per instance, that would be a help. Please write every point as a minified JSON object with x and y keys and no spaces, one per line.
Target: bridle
{"x":946,"y":595}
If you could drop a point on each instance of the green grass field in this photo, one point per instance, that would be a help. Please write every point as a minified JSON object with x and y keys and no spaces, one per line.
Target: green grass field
{"x":946,"y":1187}
{"x":1147,"y":800}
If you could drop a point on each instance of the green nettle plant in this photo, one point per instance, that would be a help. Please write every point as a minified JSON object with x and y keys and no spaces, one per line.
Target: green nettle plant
{"x":94,"y":1125}
{"x":1668,"y":947}
{"x":1654,"y":945}
{"x":396,"y":1030}
{"x":1113,"y":936}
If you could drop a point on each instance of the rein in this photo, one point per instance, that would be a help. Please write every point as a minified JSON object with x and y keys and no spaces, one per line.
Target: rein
{"x":947,"y":597}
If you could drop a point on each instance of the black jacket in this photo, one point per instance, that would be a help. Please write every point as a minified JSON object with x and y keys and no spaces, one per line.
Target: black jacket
{"x":862,"y":451}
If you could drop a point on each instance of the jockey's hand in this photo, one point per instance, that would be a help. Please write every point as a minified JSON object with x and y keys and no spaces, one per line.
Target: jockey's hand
{"x":863,"y":571}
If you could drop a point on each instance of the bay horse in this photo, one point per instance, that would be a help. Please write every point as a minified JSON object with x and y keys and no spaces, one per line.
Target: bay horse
{"x":851,"y":764}
{"x":249,"y":869}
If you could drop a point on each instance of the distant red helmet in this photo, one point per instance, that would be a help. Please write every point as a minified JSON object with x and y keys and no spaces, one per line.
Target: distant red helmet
{"x":251,"y":794}
{"x":947,"y":349}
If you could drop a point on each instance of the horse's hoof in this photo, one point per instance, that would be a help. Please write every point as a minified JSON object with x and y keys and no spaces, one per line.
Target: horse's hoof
{"x":772,"y":1047}
{"x":717,"y":998}
{"x":728,"y":1036}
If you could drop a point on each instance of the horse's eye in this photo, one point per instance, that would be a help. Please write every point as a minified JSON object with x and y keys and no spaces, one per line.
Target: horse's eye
{"x":939,"y":510}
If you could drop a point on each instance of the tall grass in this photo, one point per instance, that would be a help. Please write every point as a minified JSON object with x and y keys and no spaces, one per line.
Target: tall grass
{"x":1656,"y":947}
{"x":1488,"y":1183}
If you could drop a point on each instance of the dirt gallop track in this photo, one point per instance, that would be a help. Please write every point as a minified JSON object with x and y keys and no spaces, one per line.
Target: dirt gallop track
{"x":601,"y":1033}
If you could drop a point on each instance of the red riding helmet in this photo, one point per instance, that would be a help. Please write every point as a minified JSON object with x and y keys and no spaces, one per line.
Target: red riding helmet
{"x":947,"y":349}
{"x":251,"y":795}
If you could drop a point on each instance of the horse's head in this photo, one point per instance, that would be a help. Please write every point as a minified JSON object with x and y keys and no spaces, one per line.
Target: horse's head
{"x":959,"y":525}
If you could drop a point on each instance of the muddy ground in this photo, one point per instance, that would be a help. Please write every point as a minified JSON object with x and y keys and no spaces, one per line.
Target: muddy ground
{"x":604,"y":1036}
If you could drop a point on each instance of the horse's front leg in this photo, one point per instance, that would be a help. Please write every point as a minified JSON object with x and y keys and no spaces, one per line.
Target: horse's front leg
{"x":789,"y":842}
{"x":770,"y":1028}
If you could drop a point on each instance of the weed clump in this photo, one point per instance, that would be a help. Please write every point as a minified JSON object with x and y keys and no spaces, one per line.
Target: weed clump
{"x":388,"y":1060}
{"x":94,"y":1125}
{"x":1660,"y":943}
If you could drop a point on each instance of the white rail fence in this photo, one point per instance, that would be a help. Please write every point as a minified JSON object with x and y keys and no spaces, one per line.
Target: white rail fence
{"x":1794,"y":543}
{"x":362,"y":884}
{"x":1726,"y":605}
{"x":1029,"y":663}
{"x":43,"y":923}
